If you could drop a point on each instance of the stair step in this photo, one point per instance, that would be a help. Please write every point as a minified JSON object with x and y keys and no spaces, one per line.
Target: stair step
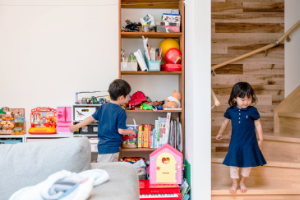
{"x":264,"y":180}
{"x":289,"y":114}
{"x":272,"y":160}
{"x":282,"y":137}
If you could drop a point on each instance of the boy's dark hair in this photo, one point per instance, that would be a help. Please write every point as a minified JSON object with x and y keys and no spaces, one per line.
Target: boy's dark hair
{"x":118,"y":88}
{"x":241,"y":89}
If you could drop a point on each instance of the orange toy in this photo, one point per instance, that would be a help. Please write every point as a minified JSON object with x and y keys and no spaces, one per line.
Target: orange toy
{"x":43,"y":120}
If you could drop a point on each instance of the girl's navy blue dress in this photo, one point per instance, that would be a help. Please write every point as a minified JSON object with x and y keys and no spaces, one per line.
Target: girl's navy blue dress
{"x":243,"y":148}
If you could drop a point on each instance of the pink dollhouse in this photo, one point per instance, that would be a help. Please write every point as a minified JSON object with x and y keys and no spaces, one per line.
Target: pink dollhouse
{"x":166,"y":166}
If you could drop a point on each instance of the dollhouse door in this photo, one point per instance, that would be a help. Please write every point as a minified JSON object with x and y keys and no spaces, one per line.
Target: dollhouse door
{"x":166,"y":168}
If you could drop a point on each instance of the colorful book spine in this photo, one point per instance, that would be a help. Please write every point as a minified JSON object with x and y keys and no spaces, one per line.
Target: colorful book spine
{"x":153,"y":140}
{"x":168,"y":127}
{"x":140,"y":136}
{"x":146,"y":135}
{"x":143,"y":136}
{"x":150,"y":137}
{"x":157,"y":135}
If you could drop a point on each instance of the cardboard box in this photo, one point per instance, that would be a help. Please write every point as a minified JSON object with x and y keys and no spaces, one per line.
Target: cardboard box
{"x":166,"y":17}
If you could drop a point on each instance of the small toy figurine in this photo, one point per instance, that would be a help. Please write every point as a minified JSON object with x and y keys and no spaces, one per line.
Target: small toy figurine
{"x":132,"y":26}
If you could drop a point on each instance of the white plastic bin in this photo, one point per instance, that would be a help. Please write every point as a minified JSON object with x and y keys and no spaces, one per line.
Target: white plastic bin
{"x":129,"y":66}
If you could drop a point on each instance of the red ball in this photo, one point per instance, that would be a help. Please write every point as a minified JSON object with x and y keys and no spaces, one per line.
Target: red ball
{"x":173,"y":56}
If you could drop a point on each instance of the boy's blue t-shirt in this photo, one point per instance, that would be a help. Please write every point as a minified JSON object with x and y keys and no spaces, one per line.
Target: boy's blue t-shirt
{"x":111,"y":117}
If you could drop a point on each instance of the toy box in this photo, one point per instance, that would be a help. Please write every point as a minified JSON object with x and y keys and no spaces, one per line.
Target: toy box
{"x":166,"y":17}
{"x":130,"y":141}
{"x":167,"y":27}
{"x":166,"y":166}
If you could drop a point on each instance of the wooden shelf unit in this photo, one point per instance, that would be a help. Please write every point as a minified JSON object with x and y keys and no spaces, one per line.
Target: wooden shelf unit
{"x":156,"y":4}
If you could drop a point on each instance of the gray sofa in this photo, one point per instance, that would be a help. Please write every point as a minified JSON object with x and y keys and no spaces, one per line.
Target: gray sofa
{"x":28,"y":164}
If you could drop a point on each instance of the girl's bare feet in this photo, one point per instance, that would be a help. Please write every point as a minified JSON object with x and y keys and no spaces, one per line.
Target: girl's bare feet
{"x":233,"y":188}
{"x":243,"y":187}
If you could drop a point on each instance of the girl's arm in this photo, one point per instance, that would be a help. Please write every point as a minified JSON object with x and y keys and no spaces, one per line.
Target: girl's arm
{"x":223,"y":126}
{"x":260,"y":133}
{"x":85,"y":122}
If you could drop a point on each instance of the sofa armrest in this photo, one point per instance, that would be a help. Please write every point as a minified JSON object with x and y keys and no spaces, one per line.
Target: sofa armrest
{"x":123,"y":182}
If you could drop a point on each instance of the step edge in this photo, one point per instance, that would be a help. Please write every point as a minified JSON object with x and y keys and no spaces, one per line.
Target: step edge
{"x":225,"y":192}
{"x":269,"y":163}
{"x":289,"y":114}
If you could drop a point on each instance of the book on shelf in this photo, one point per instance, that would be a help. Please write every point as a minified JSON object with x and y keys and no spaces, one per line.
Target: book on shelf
{"x":141,"y":61}
{"x":165,"y":130}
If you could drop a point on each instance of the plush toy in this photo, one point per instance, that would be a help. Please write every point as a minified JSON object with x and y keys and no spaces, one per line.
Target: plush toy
{"x":173,"y":101}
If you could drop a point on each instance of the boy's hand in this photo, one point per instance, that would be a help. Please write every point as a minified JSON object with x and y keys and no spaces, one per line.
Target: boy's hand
{"x":260,"y":144}
{"x":72,"y":128}
{"x":133,"y":133}
{"x":219,"y":137}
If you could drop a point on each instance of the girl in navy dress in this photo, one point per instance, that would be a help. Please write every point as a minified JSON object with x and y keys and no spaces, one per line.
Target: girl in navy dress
{"x":244,"y":150}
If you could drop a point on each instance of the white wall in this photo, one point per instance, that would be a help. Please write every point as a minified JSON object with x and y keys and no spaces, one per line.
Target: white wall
{"x":292,"y":48}
{"x":51,"y":49}
{"x":198,"y":99}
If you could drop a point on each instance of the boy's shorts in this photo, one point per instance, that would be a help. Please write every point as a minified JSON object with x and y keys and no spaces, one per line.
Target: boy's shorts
{"x":110,"y":157}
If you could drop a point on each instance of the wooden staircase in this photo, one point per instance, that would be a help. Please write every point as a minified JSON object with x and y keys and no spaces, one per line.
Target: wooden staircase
{"x":280,"y":178}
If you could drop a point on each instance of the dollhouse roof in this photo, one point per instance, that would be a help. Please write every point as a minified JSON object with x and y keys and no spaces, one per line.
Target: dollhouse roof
{"x":164,"y":147}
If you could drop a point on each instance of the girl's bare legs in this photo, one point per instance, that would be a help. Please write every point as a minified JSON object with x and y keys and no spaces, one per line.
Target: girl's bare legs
{"x":234,"y":185}
{"x":242,"y":185}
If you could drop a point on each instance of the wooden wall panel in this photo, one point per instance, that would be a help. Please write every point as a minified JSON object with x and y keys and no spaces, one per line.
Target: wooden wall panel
{"x":238,"y":27}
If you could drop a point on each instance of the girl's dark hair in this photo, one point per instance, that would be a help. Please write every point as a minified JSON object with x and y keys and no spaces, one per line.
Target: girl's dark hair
{"x":118,"y":88}
{"x":241,"y":89}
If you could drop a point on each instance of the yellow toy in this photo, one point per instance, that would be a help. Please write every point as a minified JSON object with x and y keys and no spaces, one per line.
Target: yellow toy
{"x":167,"y":44}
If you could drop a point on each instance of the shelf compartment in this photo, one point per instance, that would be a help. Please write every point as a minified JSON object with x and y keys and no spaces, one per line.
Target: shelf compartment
{"x":151,"y":111}
{"x":150,"y":35}
{"x":149,"y":73}
{"x":137,"y":149}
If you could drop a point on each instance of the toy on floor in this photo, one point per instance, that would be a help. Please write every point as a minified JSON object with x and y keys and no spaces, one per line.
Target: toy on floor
{"x":166,"y":166}
{"x":43,"y":120}
{"x":173,"y":101}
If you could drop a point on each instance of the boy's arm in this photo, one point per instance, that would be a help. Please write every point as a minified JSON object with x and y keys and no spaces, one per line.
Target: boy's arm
{"x":223,"y":126}
{"x":85,"y":122}
{"x":260,"y":133}
{"x":126,"y":132}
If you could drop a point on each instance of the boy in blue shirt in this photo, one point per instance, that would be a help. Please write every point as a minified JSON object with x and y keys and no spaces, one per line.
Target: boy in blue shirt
{"x":111,"y":122}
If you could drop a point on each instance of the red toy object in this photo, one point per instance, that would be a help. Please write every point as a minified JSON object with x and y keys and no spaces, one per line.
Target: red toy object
{"x":171,"y":67}
{"x":137,"y":98}
{"x":159,"y":191}
{"x":173,"y":56}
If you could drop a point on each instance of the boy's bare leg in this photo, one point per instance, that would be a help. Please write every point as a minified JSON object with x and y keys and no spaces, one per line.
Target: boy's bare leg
{"x":242,"y":185}
{"x":234,"y":185}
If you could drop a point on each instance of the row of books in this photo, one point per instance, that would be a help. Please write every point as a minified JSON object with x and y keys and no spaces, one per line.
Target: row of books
{"x":164,"y":131}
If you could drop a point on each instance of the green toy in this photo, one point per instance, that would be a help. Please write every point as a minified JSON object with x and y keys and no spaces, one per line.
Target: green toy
{"x":146,"y":107}
{"x":4,"y":110}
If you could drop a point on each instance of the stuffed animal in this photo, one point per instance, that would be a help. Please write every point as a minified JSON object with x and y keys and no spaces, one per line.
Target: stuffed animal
{"x":173,"y":101}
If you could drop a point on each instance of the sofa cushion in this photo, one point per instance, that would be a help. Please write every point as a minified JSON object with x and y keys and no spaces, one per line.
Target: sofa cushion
{"x":122,"y":184}
{"x":28,"y":164}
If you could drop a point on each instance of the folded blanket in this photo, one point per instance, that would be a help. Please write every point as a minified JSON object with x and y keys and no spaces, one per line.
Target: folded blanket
{"x":64,"y":185}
